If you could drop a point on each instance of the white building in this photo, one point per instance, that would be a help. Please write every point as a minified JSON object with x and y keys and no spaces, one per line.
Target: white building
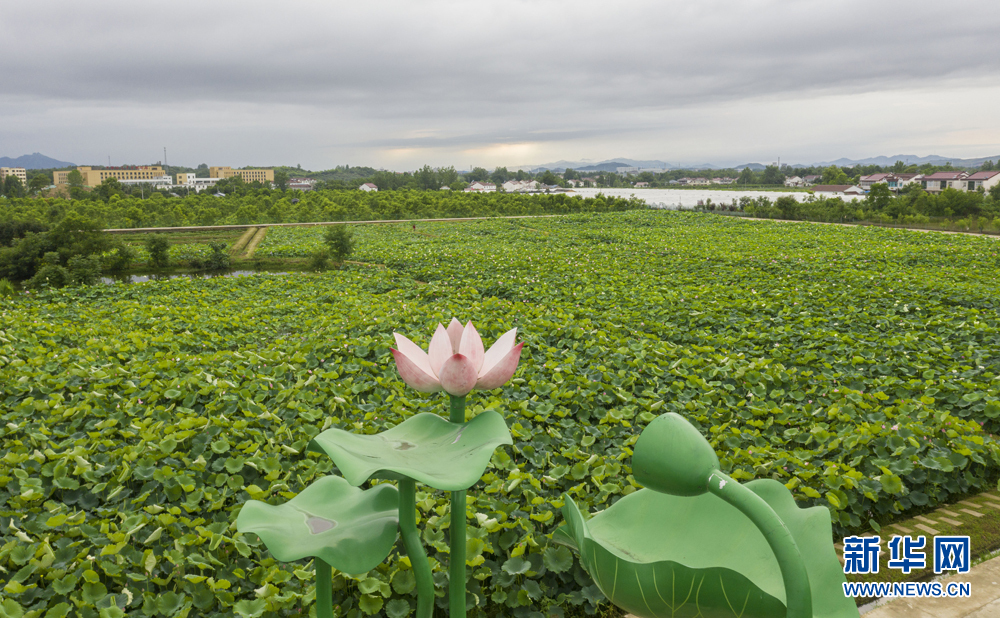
{"x":18,"y":172}
{"x":986,"y":180}
{"x":368,"y":187}
{"x":157,"y":182}
{"x":192,"y":183}
{"x":478,"y":186}
{"x":838,"y":191}
{"x":520,"y":186}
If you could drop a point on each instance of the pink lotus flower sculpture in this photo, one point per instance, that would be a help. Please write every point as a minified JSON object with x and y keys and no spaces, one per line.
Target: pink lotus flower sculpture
{"x":456,"y":362}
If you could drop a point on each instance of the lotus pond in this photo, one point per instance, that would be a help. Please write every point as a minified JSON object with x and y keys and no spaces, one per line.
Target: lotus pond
{"x":858,"y":366}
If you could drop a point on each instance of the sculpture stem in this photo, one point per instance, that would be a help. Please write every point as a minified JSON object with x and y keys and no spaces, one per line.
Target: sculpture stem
{"x":324,"y":589}
{"x":456,"y":566}
{"x":414,"y":549}
{"x":798,"y":595}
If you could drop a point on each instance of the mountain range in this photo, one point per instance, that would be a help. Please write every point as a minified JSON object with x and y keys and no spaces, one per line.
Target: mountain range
{"x":611,"y":165}
{"x":34,"y":161}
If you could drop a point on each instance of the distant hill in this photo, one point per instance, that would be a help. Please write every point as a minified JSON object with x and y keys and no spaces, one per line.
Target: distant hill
{"x":610,"y":165}
{"x":34,"y":161}
{"x":908,"y":159}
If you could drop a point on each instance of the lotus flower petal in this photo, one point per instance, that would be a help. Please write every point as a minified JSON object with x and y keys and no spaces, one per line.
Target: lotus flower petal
{"x":414,"y":353}
{"x":458,"y":375}
{"x":472,"y":346}
{"x":502,"y":370}
{"x":455,"y":330}
{"x":413,"y":375}
{"x":440,"y":349}
{"x":498,"y":350}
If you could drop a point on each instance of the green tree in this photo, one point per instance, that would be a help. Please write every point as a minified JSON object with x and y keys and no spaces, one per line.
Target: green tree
{"x":76,"y":188}
{"x":879,"y":196}
{"x":746,"y":177}
{"x":219,"y":257}
{"x":427,"y":178}
{"x":108,"y":188}
{"x":281,"y":180}
{"x":448,"y":177}
{"x":571,"y":174}
{"x":549,"y":178}
{"x":499,"y":176}
{"x":477,"y":173}
{"x":13,"y":187}
{"x":834,"y":175}
{"x":159,"y":250}
{"x":38,"y":182}
{"x":340,"y":242}
{"x":77,"y":234}
{"x":772,"y":176}
{"x":787,"y":206}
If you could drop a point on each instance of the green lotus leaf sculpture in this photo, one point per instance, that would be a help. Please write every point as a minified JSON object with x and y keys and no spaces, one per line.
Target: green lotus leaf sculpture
{"x":655,"y":555}
{"x":350,"y":529}
{"x":425,"y":447}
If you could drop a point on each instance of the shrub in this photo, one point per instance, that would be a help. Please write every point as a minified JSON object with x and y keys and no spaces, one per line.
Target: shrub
{"x":219,"y":258}
{"x":319,"y":260}
{"x":12,"y":230}
{"x":340,"y":241}
{"x":84,"y":270}
{"x":120,"y":258}
{"x":51,"y":274}
{"x":7,"y":289}
{"x":159,"y":250}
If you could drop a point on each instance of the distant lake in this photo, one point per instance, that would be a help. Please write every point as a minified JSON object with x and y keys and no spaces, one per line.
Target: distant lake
{"x":688,"y":198}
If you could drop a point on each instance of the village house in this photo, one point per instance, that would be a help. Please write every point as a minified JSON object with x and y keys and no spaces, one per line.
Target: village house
{"x":795,"y":181}
{"x":520,"y":186}
{"x":302,"y":184}
{"x":983,"y":180}
{"x":838,"y":191}
{"x":939,"y":181}
{"x":368,"y":187}
{"x":479,"y":186}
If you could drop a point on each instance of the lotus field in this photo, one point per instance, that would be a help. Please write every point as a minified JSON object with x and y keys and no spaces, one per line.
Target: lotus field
{"x":858,"y":366}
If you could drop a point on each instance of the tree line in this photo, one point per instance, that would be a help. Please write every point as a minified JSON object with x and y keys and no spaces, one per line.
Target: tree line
{"x":57,"y":241}
{"x":966,"y":210}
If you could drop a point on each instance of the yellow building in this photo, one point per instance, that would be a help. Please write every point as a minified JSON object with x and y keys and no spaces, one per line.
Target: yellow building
{"x":246,"y":175}
{"x":14,"y":171}
{"x":92,"y":177}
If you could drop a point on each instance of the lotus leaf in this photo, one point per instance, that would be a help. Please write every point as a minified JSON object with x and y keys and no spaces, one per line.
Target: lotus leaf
{"x":425,"y":447}
{"x":655,"y":555}
{"x":352,"y":530}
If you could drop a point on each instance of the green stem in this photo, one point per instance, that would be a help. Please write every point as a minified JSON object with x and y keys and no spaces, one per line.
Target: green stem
{"x":798,"y":594}
{"x":411,"y":539}
{"x":324,"y":589}
{"x":456,"y":566}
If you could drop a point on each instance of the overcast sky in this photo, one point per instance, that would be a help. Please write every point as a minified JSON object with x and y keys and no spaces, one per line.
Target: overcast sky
{"x":397,"y":84}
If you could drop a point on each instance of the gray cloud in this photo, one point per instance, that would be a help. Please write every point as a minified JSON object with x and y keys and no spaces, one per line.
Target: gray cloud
{"x":325,"y":81}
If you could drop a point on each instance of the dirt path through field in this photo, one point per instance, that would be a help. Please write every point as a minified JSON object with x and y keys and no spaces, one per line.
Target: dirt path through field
{"x":252,"y":245}
{"x":239,"y":246}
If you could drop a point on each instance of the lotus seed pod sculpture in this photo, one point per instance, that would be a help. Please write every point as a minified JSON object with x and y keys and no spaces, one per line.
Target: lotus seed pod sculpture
{"x":456,"y":362}
{"x":671,"y":457}
{"x":696,"y":542}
